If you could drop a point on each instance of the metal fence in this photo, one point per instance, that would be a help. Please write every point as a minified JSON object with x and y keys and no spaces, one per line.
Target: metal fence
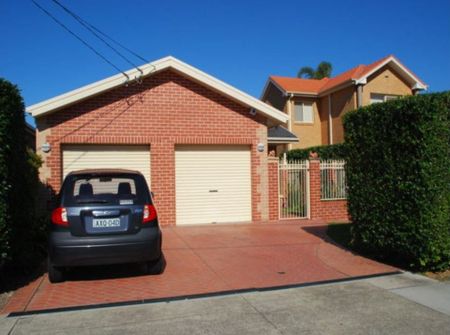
{"x":332,"y":180}
{"x":293,"y":189}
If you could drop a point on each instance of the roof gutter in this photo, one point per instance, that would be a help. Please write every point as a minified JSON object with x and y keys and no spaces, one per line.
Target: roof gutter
{"x":281,"y":140}
{"x":301,"y":94}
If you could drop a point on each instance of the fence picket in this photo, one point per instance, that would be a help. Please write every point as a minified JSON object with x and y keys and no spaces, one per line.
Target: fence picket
{"x":332,"y":180}
{"x":293,"y":189}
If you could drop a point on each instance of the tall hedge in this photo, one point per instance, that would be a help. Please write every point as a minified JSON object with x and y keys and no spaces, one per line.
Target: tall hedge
{"x":334,"y":151}
{"x":18,"y":180}
{"x":398,"y":173}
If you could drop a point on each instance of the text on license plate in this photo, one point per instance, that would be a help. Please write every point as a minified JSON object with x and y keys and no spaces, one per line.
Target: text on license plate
{"x":104,"y":223}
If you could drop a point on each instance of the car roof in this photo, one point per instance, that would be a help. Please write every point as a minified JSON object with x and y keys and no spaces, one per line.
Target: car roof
{"x":103,"y":171}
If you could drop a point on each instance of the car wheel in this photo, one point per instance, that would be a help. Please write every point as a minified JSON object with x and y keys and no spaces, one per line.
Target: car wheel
{"x":155,"y":267}
{"x":55,"y":274}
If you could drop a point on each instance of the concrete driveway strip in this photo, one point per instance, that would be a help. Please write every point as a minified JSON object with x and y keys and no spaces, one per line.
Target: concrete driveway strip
{"x":357,"y":307}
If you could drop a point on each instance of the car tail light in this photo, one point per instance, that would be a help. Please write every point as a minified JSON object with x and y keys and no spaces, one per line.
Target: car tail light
{"x":59,"y":217}
{"x":149,"y":213}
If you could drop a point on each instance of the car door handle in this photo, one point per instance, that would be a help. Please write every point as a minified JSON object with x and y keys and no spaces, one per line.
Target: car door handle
{"x":213,"y":191}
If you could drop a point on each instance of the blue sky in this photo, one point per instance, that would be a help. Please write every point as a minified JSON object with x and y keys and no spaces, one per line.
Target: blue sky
{"x":240,"y":42}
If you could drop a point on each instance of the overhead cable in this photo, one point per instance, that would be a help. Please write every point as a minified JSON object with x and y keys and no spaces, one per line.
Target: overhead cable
{"x":94,"y":31}
{"x":79,"y":38}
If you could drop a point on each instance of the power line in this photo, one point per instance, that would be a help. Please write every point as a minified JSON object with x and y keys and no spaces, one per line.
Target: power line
{"x":114,"y":41}
{"x":119,"y":44}
{"x":79,"y":38}
{"x":94,"y":31}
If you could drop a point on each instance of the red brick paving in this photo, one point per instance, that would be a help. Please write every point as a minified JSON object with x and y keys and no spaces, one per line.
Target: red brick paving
{"x":207,"y":259}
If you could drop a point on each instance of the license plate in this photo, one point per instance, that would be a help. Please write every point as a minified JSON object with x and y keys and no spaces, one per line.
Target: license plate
{"x":105,"y":223}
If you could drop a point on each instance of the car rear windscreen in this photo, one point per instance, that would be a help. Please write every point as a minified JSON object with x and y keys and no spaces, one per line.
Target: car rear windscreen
{"x":105,"y":189}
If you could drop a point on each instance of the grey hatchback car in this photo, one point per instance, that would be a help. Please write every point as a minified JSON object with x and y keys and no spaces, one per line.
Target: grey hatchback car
{"x":104,"y":217}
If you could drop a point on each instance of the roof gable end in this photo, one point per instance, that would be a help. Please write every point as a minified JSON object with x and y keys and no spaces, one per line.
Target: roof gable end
{"x":54,"y":104}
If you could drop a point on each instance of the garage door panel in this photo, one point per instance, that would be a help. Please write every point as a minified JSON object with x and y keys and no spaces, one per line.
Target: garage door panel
{"x":224,"y":169}
{"x":131,"y":157}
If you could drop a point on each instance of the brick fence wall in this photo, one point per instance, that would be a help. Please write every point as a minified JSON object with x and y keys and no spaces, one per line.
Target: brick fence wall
{"x":327,"y":210}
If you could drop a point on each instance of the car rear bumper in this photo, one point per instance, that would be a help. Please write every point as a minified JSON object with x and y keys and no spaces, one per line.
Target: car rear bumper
{"x":68,"y":250}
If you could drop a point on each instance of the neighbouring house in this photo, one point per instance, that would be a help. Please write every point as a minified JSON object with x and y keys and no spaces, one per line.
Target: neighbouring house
{"x":200,"y":143}
{"x":315,"y":107}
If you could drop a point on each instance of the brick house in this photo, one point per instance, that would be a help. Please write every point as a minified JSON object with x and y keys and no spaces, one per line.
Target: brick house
{"x":200,"y":143}
{"x":315,"y":107}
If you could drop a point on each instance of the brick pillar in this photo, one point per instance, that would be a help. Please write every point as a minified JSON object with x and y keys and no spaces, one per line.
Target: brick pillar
{"x":163,"y":181}
{"x":273,"y":188}
{"x":314,"y":188}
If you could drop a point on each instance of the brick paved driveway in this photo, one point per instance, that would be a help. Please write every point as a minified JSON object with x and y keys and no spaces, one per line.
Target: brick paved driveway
{"x":207,"y":259}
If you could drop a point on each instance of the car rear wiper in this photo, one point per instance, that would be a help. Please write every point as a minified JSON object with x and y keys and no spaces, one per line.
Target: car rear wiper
{"x":92,"y":201}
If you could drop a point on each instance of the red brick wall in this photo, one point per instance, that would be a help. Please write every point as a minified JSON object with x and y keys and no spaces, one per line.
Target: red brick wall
{"x":273,"y":189}
{"x":165,"y":110}
{"x":327,"y":210}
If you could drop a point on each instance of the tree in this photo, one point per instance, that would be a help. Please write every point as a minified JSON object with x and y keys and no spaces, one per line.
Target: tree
{"x":18,"y":181}
{"x":323,"y":70}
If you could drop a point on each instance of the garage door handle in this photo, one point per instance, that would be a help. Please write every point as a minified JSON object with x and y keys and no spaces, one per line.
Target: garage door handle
{"x":213,"y":191}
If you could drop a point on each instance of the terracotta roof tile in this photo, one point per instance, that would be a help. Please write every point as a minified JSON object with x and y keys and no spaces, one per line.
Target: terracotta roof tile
{"x":343,"y":77}
{"x":298,"y":84}
{"x":315,"y":86}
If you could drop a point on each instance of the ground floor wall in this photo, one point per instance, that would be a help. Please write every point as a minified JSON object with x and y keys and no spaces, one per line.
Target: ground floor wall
{"x":163,"y":183}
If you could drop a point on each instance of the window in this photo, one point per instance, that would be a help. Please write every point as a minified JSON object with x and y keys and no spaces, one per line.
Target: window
{"x":108,"y":188}
{"x":105,"y":185}
{"x":376,"y":98}
{"x":303,"y":112}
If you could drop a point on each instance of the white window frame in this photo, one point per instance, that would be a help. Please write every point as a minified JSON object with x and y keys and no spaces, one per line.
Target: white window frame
{"x":384,"y":97}
{"x":303,"y":103}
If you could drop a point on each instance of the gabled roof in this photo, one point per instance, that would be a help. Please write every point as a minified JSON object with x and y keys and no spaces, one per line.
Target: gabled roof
{"x":279,"y":134}
{"x":356,"y":75}
{"x":72,"y":97}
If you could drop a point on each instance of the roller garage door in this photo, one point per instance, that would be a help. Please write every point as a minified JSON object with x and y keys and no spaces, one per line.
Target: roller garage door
{"x":213,"y":184}
{"x":132,"y":157}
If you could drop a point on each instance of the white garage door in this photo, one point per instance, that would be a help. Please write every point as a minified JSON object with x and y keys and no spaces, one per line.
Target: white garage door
{"x":131,"y":157}
{"x":213,"y":184}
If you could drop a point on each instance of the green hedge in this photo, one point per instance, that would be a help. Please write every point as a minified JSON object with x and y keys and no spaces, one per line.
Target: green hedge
{"x":398,"y":174}
{"x":21,"y":232}
{"x":334,"y":151}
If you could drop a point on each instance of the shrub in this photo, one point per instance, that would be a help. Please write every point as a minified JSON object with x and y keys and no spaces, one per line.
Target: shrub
{"x":334,"y":151}
{"x":19,"y":227}
{"x":398,"y":179}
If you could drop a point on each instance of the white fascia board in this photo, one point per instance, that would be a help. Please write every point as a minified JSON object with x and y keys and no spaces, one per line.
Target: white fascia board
{"x":417,"y":82}
{"x":419,"y":86}
{"x":58,"y":102}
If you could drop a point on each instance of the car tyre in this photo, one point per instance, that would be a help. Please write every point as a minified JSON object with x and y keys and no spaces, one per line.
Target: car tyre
{"x":155,"y":267}
{"x":55,"y":273}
